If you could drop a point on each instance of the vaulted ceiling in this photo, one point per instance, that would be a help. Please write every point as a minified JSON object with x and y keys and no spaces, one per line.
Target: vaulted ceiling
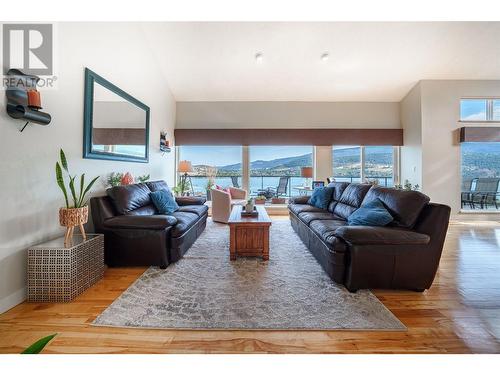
{"x":366,"y":61}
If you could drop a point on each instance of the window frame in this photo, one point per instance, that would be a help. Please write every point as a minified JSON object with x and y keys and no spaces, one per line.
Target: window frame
{"x":489,"y":110}
{"x":362,"y":162}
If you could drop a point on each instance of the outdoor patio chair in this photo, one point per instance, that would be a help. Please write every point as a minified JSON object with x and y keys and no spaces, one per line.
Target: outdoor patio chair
{"x":486,"y":192}
{"x":280,"y":190}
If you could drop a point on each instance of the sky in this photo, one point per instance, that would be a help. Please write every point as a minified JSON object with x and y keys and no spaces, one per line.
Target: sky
{"x":226,"y":155}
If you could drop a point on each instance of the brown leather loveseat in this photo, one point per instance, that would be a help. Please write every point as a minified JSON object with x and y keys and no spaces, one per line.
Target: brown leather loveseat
{"x":403,"y":255}
{"x":135,"y":235}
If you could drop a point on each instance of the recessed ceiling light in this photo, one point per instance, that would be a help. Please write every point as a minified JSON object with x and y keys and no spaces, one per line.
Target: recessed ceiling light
{"x":259,"y":57}
{"x":325,"y":56}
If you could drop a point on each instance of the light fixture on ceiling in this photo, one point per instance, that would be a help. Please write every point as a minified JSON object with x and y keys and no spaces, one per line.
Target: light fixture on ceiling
{"x":259,"y":57}
{"x":325,"y":56}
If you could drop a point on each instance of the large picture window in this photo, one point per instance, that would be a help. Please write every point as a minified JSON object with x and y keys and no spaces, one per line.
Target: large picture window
{"x":480,"y":188}
{"x":373,"y":164}
{"x":220,"y":163}
{"x":270,"y":164}
{"x":347,"y":163}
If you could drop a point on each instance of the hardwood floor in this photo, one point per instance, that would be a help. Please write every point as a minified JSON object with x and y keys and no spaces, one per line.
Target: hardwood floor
{"x":459,"y":314}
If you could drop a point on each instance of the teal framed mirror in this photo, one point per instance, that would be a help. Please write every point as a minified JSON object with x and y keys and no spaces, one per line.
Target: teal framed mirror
{"x":115,"y":124}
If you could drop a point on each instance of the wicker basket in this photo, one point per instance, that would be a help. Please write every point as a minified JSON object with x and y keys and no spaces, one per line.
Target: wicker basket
{"x":73,"y":217}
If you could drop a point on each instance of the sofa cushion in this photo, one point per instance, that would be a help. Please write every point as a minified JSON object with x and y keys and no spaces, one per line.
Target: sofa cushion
{"x":185,"y":220}
{"x":381,"y":236}
{"x":339,"y":188}
{"x":321,"y":197}
{"x":307,"y":217}
{"x":157,"y":185}
{"x":199,"y":210}
{"x":404,"y":205}
{"x":127,"y":198}
{"x":164,"y":202}
{"x":298,"y":208}
{"x":351,"y":199}
{"x":372,"y":213}
{"x":325,"y":229}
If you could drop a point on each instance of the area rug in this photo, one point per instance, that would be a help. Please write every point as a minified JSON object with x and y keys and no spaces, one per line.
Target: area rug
{"x":205,"y":290}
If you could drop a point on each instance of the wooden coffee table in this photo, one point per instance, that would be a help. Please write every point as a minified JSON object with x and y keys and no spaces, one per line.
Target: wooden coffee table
{"x":249,"y":236}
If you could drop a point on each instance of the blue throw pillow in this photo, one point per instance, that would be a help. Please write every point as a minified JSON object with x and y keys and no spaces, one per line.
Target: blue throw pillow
{"x":321,"y":197}
{"x":372,"y":214}
{"x":164,"y":201}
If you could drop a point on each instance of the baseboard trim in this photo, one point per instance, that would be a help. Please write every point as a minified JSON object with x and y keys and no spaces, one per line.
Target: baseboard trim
{"x":12,"y":300}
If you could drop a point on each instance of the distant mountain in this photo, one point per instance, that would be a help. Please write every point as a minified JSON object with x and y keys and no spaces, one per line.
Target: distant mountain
{"x":281,"y":163}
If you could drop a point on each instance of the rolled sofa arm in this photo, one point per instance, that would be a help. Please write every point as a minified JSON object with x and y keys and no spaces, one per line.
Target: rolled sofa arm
{"x":190,"y":201}
{"x":153,"y":222}
{"x":303,"y":199}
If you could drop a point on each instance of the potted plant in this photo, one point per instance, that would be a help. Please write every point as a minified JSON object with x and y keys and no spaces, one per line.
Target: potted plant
{"x":76,"y":213}
{"x":261,"y":199}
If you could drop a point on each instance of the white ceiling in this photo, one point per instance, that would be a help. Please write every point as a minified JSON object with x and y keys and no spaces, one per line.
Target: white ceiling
{"x":368,"y":61}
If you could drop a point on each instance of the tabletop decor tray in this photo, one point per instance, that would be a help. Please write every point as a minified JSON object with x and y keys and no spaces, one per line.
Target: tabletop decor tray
{"x":253,"y":213}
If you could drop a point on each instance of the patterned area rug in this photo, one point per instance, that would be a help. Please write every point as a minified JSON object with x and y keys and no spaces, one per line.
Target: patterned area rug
{"x":205,"y":290}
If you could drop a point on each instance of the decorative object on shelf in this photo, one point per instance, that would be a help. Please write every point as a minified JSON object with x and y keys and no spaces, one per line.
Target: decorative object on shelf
{"x":185,"y":167}
{"x":316,"y":184}
{"x":23,"y":99}
{"x":115,"y":179}
{"x":164,"y":143}
{"x":307,"y":173}
{"x":142,"y":179}
{"x":127,"y":179}
{"x":250,"y":205}
{"x":261,"y":199}
{"x":68,"y":270}
{"x":77,"y":214}
{"x":407,"y":186}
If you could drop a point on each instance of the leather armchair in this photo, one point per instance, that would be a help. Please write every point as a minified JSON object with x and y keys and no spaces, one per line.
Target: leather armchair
{"x":223,"y":202}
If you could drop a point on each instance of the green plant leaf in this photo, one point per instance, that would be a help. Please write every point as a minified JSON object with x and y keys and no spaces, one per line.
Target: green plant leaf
{"x":64,"y":161}
{"x":73,"y":191}
{"x":60,"y":182}
{"x":82,"y":184}
{"x":38,"y":346}
{"x":89,"y":186}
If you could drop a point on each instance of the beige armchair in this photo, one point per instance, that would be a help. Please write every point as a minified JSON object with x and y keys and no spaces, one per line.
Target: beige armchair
{"x":223,"y":202}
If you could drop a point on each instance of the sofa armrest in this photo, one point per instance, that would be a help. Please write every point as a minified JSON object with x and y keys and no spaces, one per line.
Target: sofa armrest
{"x":361,"y":235}
{"x":303,"y":199}
{"x":145,"y":222}
{"x":190,"y":201}
{"x":237,"y":193}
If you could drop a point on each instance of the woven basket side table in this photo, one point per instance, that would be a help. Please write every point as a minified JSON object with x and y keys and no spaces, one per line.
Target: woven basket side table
{"x":59,"y":273}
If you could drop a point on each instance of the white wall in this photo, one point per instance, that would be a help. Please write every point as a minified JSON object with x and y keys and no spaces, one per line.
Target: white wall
{"x":192,"y":115}
{"x":411,"y":152}
{"x":441,"y":175}
{"x":29,"y":195}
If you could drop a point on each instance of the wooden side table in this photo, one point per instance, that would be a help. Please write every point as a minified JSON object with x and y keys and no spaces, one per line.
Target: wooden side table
{"x":59,"y":273}
{"x":249,"y":236}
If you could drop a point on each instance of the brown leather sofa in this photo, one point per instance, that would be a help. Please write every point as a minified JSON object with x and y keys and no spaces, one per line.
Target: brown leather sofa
{"x":403,"y":255}
{"x":135,"y":235}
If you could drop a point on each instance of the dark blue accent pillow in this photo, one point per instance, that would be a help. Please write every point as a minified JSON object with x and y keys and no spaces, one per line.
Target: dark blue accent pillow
{"x":164,"y":201}
{"x":372,"y":214}
{"x":321,"y":197}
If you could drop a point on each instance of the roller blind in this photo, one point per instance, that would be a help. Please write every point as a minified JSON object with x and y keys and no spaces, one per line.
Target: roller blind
{"x":315,"y":137}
